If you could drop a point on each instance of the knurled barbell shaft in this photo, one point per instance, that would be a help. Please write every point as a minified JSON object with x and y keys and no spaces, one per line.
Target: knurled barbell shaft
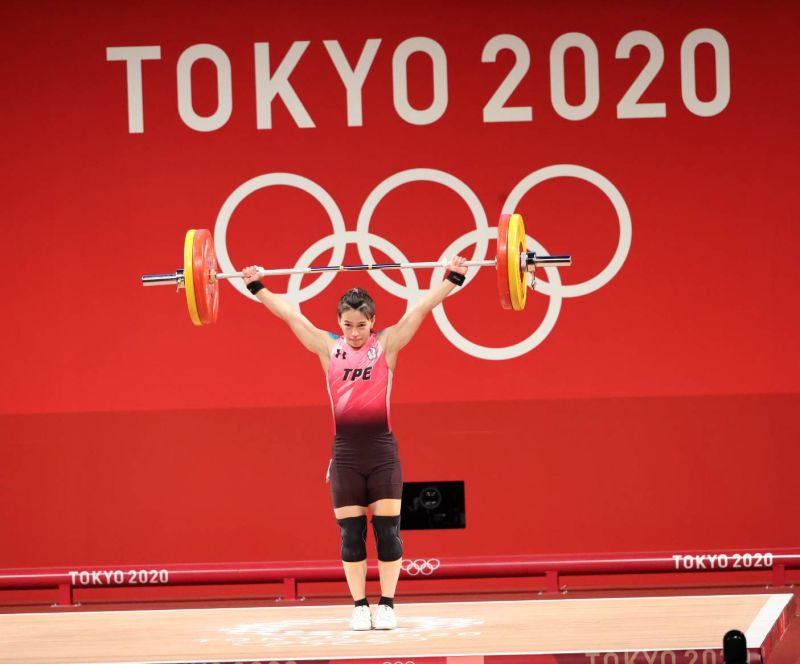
{"x":363,"y":267}
{"x":527,"y":260}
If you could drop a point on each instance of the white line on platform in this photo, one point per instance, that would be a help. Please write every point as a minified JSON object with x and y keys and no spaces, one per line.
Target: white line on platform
{"x":766,"y":619}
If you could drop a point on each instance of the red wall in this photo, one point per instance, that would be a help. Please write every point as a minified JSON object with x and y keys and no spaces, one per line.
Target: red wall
{"x":659,"y":412}
{"x":588,"y":475}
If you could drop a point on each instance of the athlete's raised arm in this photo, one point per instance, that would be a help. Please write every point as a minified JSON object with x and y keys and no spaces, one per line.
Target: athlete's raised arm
{"x":314,"y":339}
{"x":397,"y":336}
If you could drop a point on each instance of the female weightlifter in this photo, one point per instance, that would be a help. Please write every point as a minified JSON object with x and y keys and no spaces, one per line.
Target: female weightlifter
{"x":365,"y":470}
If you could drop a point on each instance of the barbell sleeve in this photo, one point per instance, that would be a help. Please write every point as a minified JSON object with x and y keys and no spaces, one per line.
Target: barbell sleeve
{"x":173,"y":279}
{"x":531,"y":258}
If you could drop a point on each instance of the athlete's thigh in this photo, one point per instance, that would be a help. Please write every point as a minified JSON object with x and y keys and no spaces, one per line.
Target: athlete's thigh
{"x":385,"y":482}
{"x":349,"y":510}
{"x":385,"y":507}
{"x":349,"y":492}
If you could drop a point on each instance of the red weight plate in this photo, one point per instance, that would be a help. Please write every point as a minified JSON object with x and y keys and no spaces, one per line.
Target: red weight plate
{"x":502,"y":262}
{"x":206,"y":286}
{"x":211,"y":262}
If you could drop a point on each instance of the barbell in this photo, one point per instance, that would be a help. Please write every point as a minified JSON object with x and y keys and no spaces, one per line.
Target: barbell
{"x":200,"y":279}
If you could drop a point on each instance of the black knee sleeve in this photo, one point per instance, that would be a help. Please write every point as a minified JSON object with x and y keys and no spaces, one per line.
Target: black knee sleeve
{"x":387,"y":535}
{"x":354,"y":538}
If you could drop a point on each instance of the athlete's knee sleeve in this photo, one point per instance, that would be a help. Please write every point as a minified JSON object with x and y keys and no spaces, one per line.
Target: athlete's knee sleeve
{"x":387,"y":535}
{"x":354,"y":538}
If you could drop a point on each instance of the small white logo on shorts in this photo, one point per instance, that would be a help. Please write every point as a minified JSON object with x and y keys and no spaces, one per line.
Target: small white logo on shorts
{"x":372,"y":353}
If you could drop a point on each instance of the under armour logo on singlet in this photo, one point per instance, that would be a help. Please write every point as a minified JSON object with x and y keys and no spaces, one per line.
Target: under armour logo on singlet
{"x":341,"y":352}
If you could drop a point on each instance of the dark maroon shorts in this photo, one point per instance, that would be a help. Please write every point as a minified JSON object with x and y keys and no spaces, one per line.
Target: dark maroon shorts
{"x":364,"y":468}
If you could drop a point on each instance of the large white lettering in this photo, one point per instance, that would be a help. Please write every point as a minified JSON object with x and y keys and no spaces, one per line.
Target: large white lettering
{"x":273,"y":83}
{"x":353,"y":79}
{"x":269,"y":86}
{"x":133,"y":57}
{"x":224,"y":89}
{"x":400,"y":80}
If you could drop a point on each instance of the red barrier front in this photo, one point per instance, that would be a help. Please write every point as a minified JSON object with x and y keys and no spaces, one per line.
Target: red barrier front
{"x":291,"y":573}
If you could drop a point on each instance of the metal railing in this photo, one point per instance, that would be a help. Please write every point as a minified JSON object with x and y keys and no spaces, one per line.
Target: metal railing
{"x":289,"y":574}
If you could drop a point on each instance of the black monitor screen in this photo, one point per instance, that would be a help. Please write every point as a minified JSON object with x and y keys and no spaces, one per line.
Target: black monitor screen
{"x":429,"y":505}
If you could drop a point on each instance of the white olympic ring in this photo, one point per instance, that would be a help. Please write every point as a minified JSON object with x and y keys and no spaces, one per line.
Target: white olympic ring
{"x":623,"y":217}
{"x":480,"y":237}
{"x":420,"y":175}
{"x":420,"y":566}
{"x":289,"y":180}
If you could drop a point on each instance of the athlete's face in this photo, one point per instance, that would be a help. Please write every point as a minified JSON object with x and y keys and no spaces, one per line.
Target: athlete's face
{"x":356,"y":327}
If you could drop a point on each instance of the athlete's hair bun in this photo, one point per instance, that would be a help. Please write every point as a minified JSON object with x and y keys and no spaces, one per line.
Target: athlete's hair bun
{"x":356,"y":299}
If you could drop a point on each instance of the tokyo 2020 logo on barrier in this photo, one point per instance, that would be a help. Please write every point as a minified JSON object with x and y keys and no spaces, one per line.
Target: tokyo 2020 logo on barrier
{"x":365,"y":241}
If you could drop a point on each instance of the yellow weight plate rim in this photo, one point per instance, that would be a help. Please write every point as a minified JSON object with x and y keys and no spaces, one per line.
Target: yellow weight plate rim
{"x":188,"y":277}
{"x":517,"y":244}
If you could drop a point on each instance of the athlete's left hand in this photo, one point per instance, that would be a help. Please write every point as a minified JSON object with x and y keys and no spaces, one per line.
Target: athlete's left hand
{"x":456,"y":264}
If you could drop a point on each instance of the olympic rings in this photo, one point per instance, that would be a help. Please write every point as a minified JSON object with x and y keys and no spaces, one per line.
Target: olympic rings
{"x":480,"y":237}
{"x":420,"y":566}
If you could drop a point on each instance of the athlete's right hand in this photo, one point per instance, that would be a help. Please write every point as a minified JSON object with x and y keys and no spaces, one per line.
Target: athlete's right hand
{"x":250,"y":274}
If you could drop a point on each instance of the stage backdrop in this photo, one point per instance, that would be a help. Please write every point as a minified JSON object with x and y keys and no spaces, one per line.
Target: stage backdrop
{"x":646,"y":399}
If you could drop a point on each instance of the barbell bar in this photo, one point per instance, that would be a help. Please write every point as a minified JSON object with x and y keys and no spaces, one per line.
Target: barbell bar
{"x":200,"y":279}
{"x":528,"y":259}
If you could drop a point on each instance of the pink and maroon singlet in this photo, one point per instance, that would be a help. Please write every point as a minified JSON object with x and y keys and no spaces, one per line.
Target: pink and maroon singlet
{"x":365,"y":466}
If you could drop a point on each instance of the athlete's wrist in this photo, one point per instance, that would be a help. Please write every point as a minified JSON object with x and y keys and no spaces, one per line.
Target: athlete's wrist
{"x":456,"y":278}
{"x":255,"y":286}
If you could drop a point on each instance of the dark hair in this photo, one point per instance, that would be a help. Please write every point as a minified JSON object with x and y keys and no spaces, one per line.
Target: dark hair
{"x":356,"y":299}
